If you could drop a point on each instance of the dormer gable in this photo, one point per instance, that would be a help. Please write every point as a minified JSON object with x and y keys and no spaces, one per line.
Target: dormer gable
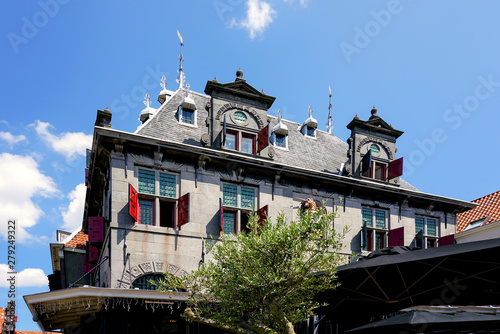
{"x":372,"y":149}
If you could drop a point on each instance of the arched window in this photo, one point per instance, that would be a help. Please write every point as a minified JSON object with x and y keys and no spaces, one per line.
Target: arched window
{"x":143,"y":282}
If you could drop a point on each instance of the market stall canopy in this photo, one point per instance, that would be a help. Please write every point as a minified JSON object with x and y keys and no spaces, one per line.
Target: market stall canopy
{"x":461,"y":274}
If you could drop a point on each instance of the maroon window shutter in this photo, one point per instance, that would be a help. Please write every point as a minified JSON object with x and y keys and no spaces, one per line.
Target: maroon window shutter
{"x":262,"y":213}
{"x":221,"y":209}
{"x":447,"y":240}
{"x":395,"y":168}
{"x":396,"y":237}
{"x":263,"y":139}
{"x":96,"y":229}
{"x":133,"y":207}
{"x":92,"y":253}
{"x":183,"y":210}
{"x":86,"y":177}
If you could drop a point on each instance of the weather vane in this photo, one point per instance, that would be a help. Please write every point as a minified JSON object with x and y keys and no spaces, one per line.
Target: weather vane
{"x":329,"y":125}
{"x":180,"y":79}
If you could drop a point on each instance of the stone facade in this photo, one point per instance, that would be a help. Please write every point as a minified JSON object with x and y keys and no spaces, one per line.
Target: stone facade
{"x":197,"y":158}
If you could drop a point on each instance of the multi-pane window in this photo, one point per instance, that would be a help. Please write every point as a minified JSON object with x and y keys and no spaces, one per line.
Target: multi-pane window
{"x":374,"y":228}
{"x":237,"y":201}
{"x":310,"y":131}
{"x":186,"y":116}
{"x":429,"y":232}
{"x":280,"y":140}
{"x":157,"y":195}
{"x":239,"y":141}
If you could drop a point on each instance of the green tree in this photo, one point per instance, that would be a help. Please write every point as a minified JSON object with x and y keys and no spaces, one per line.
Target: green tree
{"x":265,"y":280}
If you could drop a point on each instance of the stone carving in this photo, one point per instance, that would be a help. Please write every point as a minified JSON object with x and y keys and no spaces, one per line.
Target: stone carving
{"x":232,"y":105}
{"x":147,"y":267}
{"x":377,"y":141}
{"x":172,"y":269}
{"x":205,"y":139}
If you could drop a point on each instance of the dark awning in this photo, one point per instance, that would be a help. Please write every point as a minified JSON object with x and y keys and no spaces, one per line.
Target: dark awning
{"x":430,"y":322}
{"x":462,"y":274}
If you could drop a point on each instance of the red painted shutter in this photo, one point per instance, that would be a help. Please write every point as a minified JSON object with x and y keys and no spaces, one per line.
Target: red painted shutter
{"x":92,"y":253}
{"x":221,"y":210}
{"x":183,"y":210}
{"x":133,"y":205}
{"x":396,"y":237}
{"x":447,"y":240}
{"x":395,"y":168}
{"x":96,"y":229}
{"x":262,"y":213}
{"x":263,"y":139}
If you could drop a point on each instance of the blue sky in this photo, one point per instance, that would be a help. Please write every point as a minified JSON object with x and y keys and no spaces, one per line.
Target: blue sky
{"x":431,"y":68}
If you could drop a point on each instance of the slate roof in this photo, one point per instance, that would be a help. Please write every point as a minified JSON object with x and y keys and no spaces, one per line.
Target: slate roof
{"x":489,"y":206}
{"x":325,"y":153}
{"x":78,"y":241}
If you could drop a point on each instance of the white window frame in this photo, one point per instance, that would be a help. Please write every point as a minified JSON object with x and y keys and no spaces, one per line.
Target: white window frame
{"x":273,"y":138}
{"x":195,"y":116}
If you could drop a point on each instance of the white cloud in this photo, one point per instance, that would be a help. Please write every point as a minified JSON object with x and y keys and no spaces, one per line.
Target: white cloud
{"x":259,"y":16}
{"x":30,"y":277}
{"x":21,"y":181}
{"x":73,"y":214}
{"x":69,"y":144}
{"x":12,"y":139}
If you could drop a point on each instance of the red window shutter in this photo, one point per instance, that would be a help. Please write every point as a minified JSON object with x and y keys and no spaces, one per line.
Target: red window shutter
{"x":395,"y":168}
{"x":447,"y":240}
{"x":396,"y":237}
{"x":263,"y":139}
{"x":262,"y":213}
{"x":87,"y":266}
{"x":221,"y":210}
{"x":183,"y":210}
{"x":133,"y":207}
{"x":96,"y":229}
{"x":92,"y":253}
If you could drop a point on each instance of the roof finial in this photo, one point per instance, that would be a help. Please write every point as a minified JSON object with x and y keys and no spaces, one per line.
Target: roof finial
{"x":188,"y":89}
{"x":279,"y":116}
{"x":146,"y":101}
{"x":310,"y":109}
{"x":374,"y":111}
{"x":182,"y":77}
{"x":329,"y":125}
{"x":163,"y":83}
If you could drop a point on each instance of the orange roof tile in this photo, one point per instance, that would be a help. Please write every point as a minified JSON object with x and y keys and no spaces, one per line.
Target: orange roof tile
{"x":489,"y":206}
{"x":78,"y":241}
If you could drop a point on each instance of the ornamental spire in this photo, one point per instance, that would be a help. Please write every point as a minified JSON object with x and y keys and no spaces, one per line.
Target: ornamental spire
{"x":182,"y":76}
{"x":163,"y":83}
{"x":329,"y":125}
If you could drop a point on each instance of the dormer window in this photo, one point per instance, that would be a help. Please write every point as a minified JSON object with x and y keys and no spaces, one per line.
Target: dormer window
{"x":186,"y":116}
{"x":280,"y":140}
{"x":309,"y":127}
{"x":240,"y":141}
{"x":186,"y":113}
{"x":280,"y":133}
